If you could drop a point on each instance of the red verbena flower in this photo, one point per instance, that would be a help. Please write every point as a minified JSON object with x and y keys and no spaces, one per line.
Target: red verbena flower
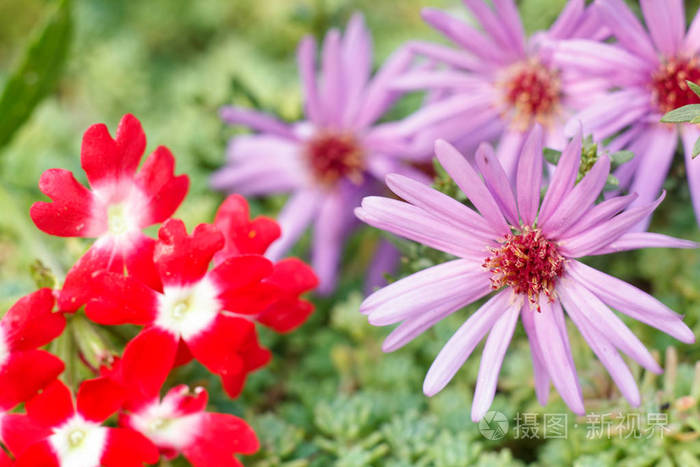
{"x":120,"y":204}
{"x":186,"y":318}
{"x":24,"y":369}
{"x":178,"y":423}
{"x":292,"y":276}
{"x":73,"y":435}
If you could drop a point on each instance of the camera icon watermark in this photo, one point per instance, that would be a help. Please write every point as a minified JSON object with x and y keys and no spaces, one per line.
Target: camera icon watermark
{"x":494,"y":425}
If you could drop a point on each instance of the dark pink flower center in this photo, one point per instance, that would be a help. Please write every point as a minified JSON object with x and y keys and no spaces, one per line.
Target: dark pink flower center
{"x":668,"y":83}
{"x":333,"y":156}
{"x":533,"y":90}
{"x":527,"y":262}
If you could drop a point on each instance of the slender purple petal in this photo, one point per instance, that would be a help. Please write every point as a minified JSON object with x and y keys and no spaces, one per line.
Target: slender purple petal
{"x":626,"y":27}
{"x":440,"y":205}
{"x":666,"y":23}
{"x":497,"y":182}
{"x":439,"y":79}
{"x":631,"y":301}
{"x":410,"y":222}
{"x":333,"y":84}
{"x":462,"y":34}
{"x":605,"y":233}
{"x":564,"y":177}
{"x":606,"y":322}
{"x":604,"y":350}
{"x":494,"y":25}
{"x":357,"y":64}
{"x":443,"y":110}
{"x":257,"y":120}
{"x":538,"y":368}
{"x":509,"y":146}
{"x":557,"y":357}
{"x":690,"y":135}
{"x":508,"y":13}
{"x":637,"y":240}
{"x":529,"y":176}
{"x":331,"y":228}
{"x":471,"y":184}
{"x":449,"y":56}
{"x":579,"y":200}
{"x":692,"y":38}
{"x":462,"y":343}
{"x":568,"y":19}
{"x":293,"y":220}
{"x":306,"y":58}
{"x":385,"y":261}
{"x":491,"y":361}
{"x":601,"y":212}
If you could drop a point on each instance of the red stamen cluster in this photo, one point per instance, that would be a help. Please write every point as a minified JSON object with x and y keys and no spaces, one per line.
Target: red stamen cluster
{"x":668,"y":83}
{"x":528,"y":263}
{"x":533,"y":90}
{"x":333,"y":156}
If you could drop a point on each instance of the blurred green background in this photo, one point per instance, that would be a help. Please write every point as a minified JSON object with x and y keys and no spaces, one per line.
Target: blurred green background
{"x":330,"y":396}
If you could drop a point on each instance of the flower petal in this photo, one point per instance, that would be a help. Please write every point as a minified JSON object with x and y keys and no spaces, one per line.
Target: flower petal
{"x":666,"y":23}
{"x":128,"y":448}
{"x":31,"y":322}
{"x":497,"y":182}
{"x":529,"y":176}
{"x":462,"y":343}
{"x":256,"y":120}
{"x":564,"y":177}
{"x":99,"y":398}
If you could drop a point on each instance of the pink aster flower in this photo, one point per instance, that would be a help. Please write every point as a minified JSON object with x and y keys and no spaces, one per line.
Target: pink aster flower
{"x":647,"y":69}
{"x":332,"y":158}
{"x":528,"y":252}
{"x":198,"y":313}
{"x":73,"y":434}
{"x":498,"y":83}
{"x":120,"y":204}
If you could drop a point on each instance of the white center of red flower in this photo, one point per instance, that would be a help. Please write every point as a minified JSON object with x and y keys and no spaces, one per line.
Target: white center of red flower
{"x":668,"y":83}
{"x":120,"y":207}
{"x":79,"y":443}
{"x":333,"y":156}
{"x":533,"y":91}
{"x":187,"y":311}
{"x":526,"y":262}
{"x":161,"y":423}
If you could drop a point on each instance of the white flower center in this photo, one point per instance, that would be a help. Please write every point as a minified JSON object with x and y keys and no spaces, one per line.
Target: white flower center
{"x":116,"y":219}
{"x":161,"y":423}
{"x":79,"y":443}
{"x":122,"y":208}
{"x":187,"y":311}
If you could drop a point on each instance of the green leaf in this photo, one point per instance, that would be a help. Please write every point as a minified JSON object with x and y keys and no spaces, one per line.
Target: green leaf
{"x":612,"y":183}
{"x":620,"y":157}
{"x":696,"y":148}
{"x":551,"y":155}
{"x":693,"y":87}
{"x":682,"y":114}
{"x":38,"y":71}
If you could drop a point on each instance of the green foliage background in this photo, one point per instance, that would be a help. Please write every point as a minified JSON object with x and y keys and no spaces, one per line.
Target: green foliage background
{"x":330,"y":396}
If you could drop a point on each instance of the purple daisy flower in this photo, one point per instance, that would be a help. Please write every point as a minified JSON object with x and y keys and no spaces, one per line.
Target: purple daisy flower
{"x":333,"y":158}
{"x":499,"y":83}
{"x":528,"y":252}
{"x":648,"y":70}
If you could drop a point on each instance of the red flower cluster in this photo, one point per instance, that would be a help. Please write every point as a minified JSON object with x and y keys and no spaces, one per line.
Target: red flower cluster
{"x":196,"y":296}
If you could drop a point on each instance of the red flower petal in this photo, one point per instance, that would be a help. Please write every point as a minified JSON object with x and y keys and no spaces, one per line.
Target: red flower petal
{"x":139,"y":262}
{"x":53,"y":406}
{"x":26,"y":373}
{"x":241,"y":271}
{"x":99,"y":398}
{"x":128,"y":448}
{"x":157,"y":180}
{"x":293,"y":276}
{"x":183,"y":356}
{"x":217,"y":347}
{"x":243,"y":236}
{"x":105,"y":158}
{"x":221,"y":437}
{"x":146,"y":363}
{"x":250,"y":300}
{"x":286,"y":314}
{"x":254,"y":357}
{"x":18,"y":432}
{"x":38,"y":454}
{"x":70,"y":214}
{"x":76,"y":289}
{"x":183,"y":259}
{"x":121,"y":300}
{"x":31,"y":322}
